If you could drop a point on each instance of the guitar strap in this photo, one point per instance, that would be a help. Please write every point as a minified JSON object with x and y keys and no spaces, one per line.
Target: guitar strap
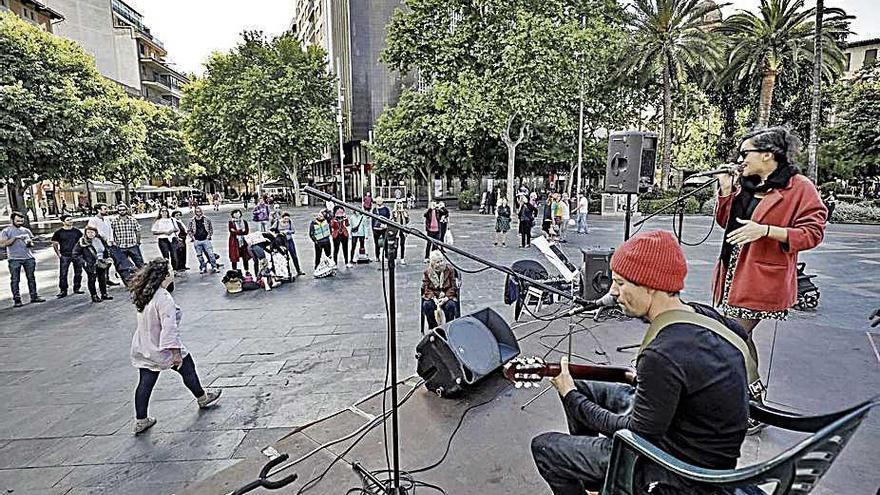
{"x":681,"y":316}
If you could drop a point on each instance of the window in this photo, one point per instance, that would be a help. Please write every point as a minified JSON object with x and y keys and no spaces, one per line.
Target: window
{"x":848,"y":61}
{"x":870,"y":56}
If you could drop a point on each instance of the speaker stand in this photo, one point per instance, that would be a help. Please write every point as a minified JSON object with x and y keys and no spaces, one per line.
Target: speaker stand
{"x":628,"y":217}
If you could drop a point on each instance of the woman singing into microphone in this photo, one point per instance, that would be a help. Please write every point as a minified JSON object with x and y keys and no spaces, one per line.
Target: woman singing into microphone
{"x":771,"y":215}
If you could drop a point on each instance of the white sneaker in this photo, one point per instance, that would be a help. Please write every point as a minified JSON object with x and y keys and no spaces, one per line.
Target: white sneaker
{"x":348,"y":265}
{"x":209,"y":398}
{"x":403,"y":262}
{"x":142,"y":425}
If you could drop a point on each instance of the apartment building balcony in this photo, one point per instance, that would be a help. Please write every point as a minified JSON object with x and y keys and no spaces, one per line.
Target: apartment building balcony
{"x":125,"y":16}
{"x":163,"y":85}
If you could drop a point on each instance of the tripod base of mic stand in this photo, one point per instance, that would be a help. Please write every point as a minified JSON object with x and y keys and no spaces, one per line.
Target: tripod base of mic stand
{"x":627,"y":347}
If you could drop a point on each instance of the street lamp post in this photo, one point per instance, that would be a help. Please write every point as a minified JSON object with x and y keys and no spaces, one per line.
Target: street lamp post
{"x":339,"y":124}
{"x":581,"y":124}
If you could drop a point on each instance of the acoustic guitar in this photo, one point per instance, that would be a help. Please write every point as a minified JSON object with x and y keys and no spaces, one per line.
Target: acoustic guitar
{"x":529,"y":371}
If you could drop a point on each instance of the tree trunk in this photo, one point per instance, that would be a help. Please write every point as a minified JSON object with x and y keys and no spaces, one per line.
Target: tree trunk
{"x":88,"y":197}
{"x":16,"y":197}
{"x":511,"y":160}
{"x":768,"y":82}
{"x":426,"y":173}
{"x":812,"y":168}
{"x":511,"y":155}
{"x":127,"y":188}
{"x":667,"y":127}
{"x":294,"y":177}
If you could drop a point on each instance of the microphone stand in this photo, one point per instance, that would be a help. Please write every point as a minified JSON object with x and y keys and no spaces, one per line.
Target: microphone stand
{"x":677,"y":202}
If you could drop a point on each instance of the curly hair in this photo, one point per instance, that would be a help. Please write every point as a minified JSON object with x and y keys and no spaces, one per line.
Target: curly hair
{"x":146,"y":281}
{"x":779,"y":140}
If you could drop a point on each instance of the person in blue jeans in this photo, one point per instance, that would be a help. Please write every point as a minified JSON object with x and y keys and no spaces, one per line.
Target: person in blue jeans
{"x":201,"y":230}
{"x":18,"y":240}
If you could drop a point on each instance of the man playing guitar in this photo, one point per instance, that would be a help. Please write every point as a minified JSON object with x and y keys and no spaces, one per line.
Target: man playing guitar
{"x":691,"y":392}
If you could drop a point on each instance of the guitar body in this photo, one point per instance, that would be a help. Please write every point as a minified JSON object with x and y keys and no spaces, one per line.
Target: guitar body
{"x":528,"y":372}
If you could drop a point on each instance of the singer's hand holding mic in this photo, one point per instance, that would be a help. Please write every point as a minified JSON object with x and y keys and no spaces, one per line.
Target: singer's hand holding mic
{"x":726,"y":175}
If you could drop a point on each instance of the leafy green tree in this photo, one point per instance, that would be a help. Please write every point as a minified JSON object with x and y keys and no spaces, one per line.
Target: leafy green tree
{"x":268,"y":106}
{"x":776,"y":40}
{"x":853,"y":143}
{"x":515,"y":64}
{"x":51,"y":98}
{"x":419,"y":135}
{"x":670,"y":37}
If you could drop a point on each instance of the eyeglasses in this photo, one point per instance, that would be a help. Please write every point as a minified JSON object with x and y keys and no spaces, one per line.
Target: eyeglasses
{"x":743,"y":153}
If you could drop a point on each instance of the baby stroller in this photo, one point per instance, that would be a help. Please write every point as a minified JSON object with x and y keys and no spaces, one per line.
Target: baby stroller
{"x":808,"y":292}
{"x":279,"y":257}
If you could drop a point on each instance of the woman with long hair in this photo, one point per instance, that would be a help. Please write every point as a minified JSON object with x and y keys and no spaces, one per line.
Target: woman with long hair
{"x":165,"y":229}
{"x":156,"y":345}
{"x":93,"y":253}
{"x":238,"y":228}
{"x":770,"y":213}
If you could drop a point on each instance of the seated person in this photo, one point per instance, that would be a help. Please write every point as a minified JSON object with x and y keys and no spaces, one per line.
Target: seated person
{"x":691,"y":395}
{"x":439,"y":290}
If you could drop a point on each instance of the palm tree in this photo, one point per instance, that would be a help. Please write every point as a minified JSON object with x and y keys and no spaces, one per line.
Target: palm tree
{"x":671,"y":36}
{"x":776,"y":40}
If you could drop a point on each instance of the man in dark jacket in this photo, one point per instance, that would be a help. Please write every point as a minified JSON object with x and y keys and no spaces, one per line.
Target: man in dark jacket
{"x":691,"y":396}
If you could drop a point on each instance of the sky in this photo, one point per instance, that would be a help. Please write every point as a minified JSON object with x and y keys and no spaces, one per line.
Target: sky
{"x":192,"y":29}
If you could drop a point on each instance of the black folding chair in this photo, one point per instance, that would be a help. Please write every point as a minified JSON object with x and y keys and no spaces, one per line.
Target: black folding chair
{"x":793,"y":472}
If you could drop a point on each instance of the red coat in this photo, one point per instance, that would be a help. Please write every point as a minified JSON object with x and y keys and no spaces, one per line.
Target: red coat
{"x":236,"y":254}
{"x":766,"y":272}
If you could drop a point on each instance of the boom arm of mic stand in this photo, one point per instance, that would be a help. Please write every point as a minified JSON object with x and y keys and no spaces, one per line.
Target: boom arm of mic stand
{"x":676,"y":202}
{"x":326,"y":197}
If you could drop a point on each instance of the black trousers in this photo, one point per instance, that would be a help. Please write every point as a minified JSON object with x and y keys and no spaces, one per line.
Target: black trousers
{"x":321,"y":247}
{"x":98,"y":275}
{"x":354,"y":246}
{"x":147,"y":380}
{"x":378,"y":241}
{"x":575,"y":462}
{"x":340,"y":244}
{"x":430,"y":246}
{"x":63,"y":270}
{"x":181,"y":255}
{"x":168,"y":248}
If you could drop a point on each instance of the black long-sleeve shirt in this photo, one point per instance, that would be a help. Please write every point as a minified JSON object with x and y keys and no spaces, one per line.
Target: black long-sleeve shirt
{"x":691,"y":395}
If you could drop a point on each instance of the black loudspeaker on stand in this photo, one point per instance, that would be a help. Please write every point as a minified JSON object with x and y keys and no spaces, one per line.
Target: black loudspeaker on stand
{"x":457,"y":354}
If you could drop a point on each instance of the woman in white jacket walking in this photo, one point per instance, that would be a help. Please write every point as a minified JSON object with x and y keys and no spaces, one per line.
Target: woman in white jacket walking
{"x":156,"y":345}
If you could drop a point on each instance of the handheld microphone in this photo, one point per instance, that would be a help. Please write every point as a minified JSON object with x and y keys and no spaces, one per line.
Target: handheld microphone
{"x":730,"y":168}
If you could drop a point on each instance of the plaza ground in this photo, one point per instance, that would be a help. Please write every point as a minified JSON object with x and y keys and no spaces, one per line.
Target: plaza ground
{"x":291,"y":356}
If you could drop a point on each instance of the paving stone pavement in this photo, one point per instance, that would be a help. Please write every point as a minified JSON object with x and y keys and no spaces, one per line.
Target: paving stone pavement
{"x":288,"y":357}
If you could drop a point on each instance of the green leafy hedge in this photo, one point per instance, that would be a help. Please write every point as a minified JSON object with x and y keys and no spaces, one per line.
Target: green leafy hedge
{"x":856,"y":213}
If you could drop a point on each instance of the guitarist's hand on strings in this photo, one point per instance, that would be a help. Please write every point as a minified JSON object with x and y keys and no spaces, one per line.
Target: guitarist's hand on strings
{"x":563,"y":382}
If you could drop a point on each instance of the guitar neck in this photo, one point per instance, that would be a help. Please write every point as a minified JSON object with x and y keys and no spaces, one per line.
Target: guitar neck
{"x":617,"y":374}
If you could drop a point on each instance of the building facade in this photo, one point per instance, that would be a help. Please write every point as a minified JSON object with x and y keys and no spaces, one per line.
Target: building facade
{"x":859,"y":54}
{"x":352,"y":33}
{"x":34,"y":12}
{"x":125,"y":50}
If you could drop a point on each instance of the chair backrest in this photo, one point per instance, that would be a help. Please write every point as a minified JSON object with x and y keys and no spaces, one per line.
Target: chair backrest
{"x":795,"y":471}
{"x":530,"y":268}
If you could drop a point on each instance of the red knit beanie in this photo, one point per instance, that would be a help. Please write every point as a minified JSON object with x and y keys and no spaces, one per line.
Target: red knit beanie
{"x":651,"y":259}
